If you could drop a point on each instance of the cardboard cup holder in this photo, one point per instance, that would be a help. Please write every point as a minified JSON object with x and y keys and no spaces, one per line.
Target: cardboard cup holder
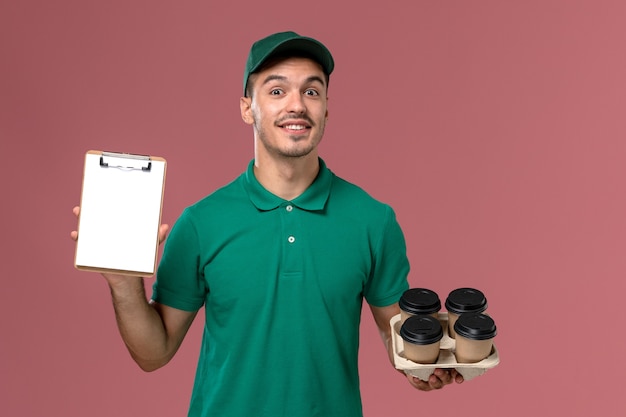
{"x":446,"y":359}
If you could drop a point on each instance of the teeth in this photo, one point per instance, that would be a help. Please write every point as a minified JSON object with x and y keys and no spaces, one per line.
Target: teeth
{"x":295,"y":127}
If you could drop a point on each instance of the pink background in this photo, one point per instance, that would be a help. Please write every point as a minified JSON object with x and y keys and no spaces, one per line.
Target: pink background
{"x":494,"y":128}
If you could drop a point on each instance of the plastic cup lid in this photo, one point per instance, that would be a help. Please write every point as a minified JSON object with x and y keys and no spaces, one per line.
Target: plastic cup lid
{"x":466,"y":300}
{"x":420,"y":301}
{"x":475,"y":326}
{"x":421,"y":330}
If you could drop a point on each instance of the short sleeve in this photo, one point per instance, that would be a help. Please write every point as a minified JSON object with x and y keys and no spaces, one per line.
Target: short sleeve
{"x":388,"y":278}
{"x":180,"y":283}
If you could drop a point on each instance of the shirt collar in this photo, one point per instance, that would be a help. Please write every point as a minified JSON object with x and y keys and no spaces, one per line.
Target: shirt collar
{"x":313,"y":198}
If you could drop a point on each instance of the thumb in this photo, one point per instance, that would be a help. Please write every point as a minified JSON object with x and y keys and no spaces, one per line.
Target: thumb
{"x":163,"y":229}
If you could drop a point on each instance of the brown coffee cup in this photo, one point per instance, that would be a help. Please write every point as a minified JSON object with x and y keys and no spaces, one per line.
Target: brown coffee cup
{"x":419,"y":301}
{"x":422,"y":338}
{"x":474,"y":341}
{"x":463,"y":300}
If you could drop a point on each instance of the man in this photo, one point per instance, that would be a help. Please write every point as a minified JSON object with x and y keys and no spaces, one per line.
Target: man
{"x":281,"y":259}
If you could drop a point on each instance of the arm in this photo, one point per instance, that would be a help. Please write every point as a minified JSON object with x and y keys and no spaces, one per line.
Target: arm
{"x":441,"y":377}
{"x":382,"y":317}
{"x":151,"y":331}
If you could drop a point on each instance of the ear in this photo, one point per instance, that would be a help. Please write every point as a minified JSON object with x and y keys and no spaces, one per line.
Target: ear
{"x":326,"y":117}
{"x":245,"y":106}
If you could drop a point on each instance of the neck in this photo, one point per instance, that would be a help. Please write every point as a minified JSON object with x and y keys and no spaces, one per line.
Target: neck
{"x":286,"y":178}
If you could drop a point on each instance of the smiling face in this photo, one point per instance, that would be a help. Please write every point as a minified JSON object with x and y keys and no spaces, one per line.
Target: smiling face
{"x":287,"y":108}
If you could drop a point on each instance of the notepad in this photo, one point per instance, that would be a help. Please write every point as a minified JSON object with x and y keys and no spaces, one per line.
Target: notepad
{"x":120,"y":213}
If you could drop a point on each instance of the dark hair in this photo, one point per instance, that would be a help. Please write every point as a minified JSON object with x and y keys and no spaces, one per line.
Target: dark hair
{"x":273,"y":60}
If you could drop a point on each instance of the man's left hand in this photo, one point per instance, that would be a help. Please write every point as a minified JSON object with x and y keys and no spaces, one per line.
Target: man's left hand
{"x":437,"y":380}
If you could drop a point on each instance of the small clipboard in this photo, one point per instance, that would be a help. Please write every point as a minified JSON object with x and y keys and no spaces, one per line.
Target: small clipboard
{"x":120,"y":213}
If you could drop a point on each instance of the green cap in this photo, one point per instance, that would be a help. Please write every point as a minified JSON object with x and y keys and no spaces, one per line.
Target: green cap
{"x":285,"y":43}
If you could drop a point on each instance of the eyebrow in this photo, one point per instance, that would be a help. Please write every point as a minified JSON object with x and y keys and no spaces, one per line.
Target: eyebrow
{"x":274,"y":77}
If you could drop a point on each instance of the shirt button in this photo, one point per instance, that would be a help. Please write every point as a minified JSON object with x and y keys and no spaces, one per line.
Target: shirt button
{"x":289,"y":208}
{"x":291,"y":239}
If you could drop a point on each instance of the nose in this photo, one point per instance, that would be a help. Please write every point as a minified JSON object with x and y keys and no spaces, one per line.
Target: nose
{"x":296,"y":103}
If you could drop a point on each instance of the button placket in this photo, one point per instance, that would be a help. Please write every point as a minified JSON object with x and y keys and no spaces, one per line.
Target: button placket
{"x":291,"y":238}
{"x":292,"y":260}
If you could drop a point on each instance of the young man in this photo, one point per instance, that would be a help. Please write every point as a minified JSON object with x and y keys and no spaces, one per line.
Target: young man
{"x":281,"y":259}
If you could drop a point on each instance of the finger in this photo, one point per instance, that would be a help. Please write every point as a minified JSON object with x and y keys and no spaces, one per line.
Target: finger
{"x":444,"y":375}
{"x":74,"y":233}
{"x":435,"y":382}
{"x":418,"y":383}
{"x":456,"y":376}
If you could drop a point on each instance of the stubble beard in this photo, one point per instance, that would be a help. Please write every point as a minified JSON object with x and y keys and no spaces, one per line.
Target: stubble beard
{"x":289,"y":152}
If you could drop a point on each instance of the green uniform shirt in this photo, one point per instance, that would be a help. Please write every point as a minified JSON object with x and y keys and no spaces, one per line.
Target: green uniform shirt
{"x":282,"y":283}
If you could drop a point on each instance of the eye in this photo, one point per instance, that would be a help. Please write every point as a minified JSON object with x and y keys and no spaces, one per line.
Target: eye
{"x":311,"y":92}
{"x":276,"y":92}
